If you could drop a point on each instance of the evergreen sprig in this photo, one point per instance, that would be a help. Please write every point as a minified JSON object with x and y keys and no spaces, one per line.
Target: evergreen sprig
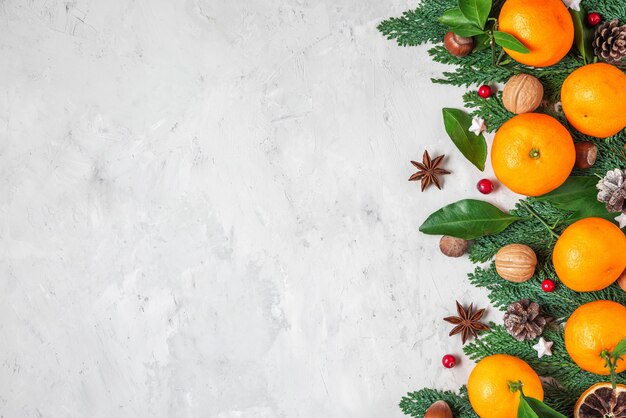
{"x":416,"y":27}
{"x":491,"y":110}
{"x":415,"y":404}
{"x":610,"y":9}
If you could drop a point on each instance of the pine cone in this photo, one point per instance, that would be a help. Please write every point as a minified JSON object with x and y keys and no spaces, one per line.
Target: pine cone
{"x":612,"y":190}
{"x":524,"y":321}
{"x":609,"y":43}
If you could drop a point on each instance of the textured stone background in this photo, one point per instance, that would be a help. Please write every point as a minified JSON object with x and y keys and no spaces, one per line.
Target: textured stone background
{"x":205,"y":211}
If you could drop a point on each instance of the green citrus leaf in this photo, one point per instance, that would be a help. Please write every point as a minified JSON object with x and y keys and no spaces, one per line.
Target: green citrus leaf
{"x":541,"y":409}
{"x":524,"y":410}
{"x":578,"y":195}
{"x":476,"y":11}
{"x":473,"y":147}
{"x":508,"y":41}
{"x":481,"y":41}
{"x":619,"y":350}
{"x":453,"y":17}
{"x":467,"y":30}
{"x":467,"y":219}
{"x":583,"y":35}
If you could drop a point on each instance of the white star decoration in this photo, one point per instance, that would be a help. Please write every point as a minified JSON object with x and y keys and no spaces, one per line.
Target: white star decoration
{"x":622,"y":220}
{"x":573,"y":4}
{"x":478,"y":126}
{"x":543,"y":347}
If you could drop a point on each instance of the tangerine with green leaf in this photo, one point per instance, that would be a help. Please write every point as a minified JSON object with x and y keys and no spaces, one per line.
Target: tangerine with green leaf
{"x":592,"y":332}
{"x":545,"y":27}
{"x":489,"y":386}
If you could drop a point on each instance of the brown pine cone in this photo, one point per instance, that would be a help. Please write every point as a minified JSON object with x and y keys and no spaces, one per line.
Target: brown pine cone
{"x":612,"y":190}
{"x":609,"y":43}
{"x":524,"y":321}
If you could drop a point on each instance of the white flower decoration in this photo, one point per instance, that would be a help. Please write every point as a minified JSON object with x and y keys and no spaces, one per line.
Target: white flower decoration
{"x":478,"y":126}
{"x":622,"y":220}
{"x":573,"y":4}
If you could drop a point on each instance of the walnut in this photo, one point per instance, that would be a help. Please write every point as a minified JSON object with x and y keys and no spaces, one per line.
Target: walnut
{"x":522,"y":94}
{"x":516,"y":262}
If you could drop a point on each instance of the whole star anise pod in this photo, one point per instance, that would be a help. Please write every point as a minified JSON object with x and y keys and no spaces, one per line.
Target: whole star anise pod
{"x":467,"y":323}
{"x":428,"y":171}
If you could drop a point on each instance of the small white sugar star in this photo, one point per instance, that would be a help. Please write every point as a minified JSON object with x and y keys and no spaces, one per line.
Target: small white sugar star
{"x":622,"y":220}
{"x":543,"y":347}
{"x":478,"y":126}
{"x":573,"y":4}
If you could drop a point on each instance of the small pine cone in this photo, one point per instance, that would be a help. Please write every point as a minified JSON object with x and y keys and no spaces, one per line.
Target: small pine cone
{"x":523,"y":320}
{"x":609,"y":43}
{"x":612,"y":190}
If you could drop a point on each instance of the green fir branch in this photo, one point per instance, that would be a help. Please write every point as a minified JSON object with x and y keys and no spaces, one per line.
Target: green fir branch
{"x":415,"y":404}
{"x":418,"y":26}
{"x":610,"y":9}
{"x":492,"y":110}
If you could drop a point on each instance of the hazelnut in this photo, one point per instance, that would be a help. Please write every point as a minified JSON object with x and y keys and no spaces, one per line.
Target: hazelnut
{"x":621,"y":281}
{"x":458,"y":45}
{"x":522,"y":94}
{"x":439,"y":409}
{"x":586,"y":154}
{"x":453,"y":247}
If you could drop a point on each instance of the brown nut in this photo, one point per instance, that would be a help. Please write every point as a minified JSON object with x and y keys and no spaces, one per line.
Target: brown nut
{"x":586,"y":154}
{"x":523,"y":93}
{"x":439,"y":409}
{"x":621,"y":281}
{"x":516,"y":262}
{"x":453,"y":247}
{"x":458,"y":46}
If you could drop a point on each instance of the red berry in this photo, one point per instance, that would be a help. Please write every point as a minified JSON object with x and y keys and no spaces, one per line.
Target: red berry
{"x":593,"y":19}
{"x":485,"y":186}
{"x":448,"y":361}
{"x":547,"y":285}
{"x":485,"y":92}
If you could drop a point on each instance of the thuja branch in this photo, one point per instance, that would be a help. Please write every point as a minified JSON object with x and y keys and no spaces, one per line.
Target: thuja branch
{"x":540,"y":219}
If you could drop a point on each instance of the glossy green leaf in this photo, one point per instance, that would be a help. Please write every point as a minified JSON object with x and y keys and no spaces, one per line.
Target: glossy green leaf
{"x":524,"y":410}
{"x":509,"y":41}
{"x":476,"y":11}
{"x":540,"y":409}
{"x":453,"y":17}
{"x":578,"y":195}
{"x":467,"y":30}
{"x":467,"y":219}
{"x":472,"y":146}
{"x":459,"y":24}
{"x":583,"y":35}
{"x":620,"y":349}
{"x":481,"y":42}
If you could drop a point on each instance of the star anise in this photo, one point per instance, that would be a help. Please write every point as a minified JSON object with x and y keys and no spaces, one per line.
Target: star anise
{"x":428,"y":171}
{"x":467,"y":323}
